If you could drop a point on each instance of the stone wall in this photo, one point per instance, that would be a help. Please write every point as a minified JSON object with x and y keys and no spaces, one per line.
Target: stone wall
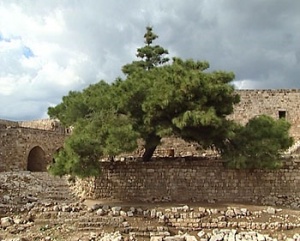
{"x":6,"y":123}
{"x":169,"y":147}
{"x":17,"y":146}
{"x":192,"y":180}
{"x":284,"y":102}
{"x":44,"y":124}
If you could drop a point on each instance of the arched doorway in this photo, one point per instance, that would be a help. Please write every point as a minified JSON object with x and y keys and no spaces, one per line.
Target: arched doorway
{"x":36,"y":160}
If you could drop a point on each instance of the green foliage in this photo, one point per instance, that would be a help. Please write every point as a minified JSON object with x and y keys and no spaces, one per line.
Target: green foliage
{"x":156,"y":99}
{"x":151,"y":56}
{"x":190,"y":103}
{"x":79,"y":105}
{"x":258,"y":144}
{"x":72,"y":108}
{"x":179,"y":99}
{"x":104,"y":134}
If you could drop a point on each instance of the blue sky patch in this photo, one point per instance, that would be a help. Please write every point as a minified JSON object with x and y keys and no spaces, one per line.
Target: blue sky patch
{"x":2,"y":38}
{"x":27,"y":52}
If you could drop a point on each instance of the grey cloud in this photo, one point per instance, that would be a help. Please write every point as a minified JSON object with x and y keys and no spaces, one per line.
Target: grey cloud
{"x":17,"y":110}
{"x":254,"y":39}
{"x":257,"y":40}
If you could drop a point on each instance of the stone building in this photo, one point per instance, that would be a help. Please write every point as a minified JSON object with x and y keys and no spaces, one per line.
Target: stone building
{"x":185,"y":178}
{"x":30,"y":145}
{"x":283,"y":103}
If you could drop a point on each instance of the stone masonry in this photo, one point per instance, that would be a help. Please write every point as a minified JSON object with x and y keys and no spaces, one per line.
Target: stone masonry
{"x":47,"y":136}
{"x":31,"y":146}
{"x":275,"y":103}
{"x":37,"y":206}
{"x":24,"y":148}
{"x":193,"y":179}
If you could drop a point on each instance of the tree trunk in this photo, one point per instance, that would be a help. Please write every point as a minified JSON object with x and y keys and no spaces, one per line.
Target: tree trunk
{"x":148,"y":153}
{"x":152,"y":141}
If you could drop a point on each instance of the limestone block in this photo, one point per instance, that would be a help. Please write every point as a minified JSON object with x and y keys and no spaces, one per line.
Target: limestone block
{"x":6,"y":222}
{"x":156,"y":238}
{"x":174,"y":238}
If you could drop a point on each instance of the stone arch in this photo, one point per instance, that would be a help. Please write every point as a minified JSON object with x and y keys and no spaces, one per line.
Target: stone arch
{"x":36,"y":161}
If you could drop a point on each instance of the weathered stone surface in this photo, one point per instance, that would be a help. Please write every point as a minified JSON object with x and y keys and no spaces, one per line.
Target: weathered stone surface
{"x":174,"y":238}
{"x":217,"y":237}
{"x":24,"y":139}
{"x":6,"y":222}
{"x":230,"y":213}
{"x":205,"y":178}
{"x":271,"y":210}
{"x":156,"y":238}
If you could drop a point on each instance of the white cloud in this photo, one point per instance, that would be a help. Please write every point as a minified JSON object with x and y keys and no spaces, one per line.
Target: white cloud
{"x":50,"y":47}
{"x":7,"y":85}
{"x":38,"y":63}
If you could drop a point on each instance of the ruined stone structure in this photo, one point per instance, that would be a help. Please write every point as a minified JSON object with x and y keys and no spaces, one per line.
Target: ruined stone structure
{"x":22,"y":142}
{"x":187,"y":179}
{"x":193,"y":179}
{"x":29,"y":148}
{"x":275,"y":103}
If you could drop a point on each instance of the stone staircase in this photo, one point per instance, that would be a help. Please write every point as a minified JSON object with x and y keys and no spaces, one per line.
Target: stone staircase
{"x":87,"y":221}
{"x":20,"y":188}
{"x":54,"y":189}
{"x":93,"y":222}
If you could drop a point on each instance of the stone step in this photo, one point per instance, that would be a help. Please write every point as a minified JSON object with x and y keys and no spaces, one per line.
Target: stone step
{"x":90,"y":229}
{"x":137,"y":231}
{"x":55,"y":188}
{"x":57,"y":198}
{"x":54,"y":218}
{"x":51,"y":221}
{"x":60,"y":194}
{"x":18,"y":188}
{"x":53,"y":214}
{"x":91,"y":225}
{"x":106,"y":219}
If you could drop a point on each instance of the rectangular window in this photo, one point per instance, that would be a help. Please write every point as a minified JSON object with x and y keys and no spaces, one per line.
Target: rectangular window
{"x":282,"y":114}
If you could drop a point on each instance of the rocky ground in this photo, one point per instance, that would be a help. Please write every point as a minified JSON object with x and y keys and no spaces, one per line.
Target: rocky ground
{"x":36,"y":206}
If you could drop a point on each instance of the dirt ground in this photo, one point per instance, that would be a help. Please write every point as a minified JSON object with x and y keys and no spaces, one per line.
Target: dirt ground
{"x":288,"y":214}
{"x":68,"y":230}
{"x":48,"y":221}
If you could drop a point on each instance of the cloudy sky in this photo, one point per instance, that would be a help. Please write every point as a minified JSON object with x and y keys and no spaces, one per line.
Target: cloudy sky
{"x":52,"y":46}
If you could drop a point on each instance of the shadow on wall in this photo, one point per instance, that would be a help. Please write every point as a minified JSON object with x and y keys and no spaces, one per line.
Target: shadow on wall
{"x":36,"y":161}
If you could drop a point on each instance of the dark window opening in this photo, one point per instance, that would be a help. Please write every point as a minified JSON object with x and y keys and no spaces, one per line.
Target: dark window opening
{"x":282,"y":114}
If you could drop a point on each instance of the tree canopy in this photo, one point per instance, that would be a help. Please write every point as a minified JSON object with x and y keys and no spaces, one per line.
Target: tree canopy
{"x":156,"y":98}
{"x":181,"y":99}
{"x":149,"y":56}
{"x":258,"y":144}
